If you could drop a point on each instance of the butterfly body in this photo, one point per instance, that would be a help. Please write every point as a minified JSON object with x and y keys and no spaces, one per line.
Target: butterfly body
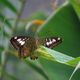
{"x":26,"y":45}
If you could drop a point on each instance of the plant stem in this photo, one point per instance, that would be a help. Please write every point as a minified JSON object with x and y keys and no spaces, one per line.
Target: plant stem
{"x":3,"y":54}
{"x":3,"y":64}
{"x":19,"y":14}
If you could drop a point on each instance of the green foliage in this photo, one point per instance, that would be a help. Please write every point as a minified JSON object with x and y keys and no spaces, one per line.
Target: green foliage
{"x":7,"y":3}
{"x":64,"y":23}
{"x":76,"y":6}
{"x":55,"y":64}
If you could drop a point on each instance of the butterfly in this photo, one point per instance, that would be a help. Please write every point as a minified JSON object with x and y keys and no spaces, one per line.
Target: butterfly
{"x":26,"y":45}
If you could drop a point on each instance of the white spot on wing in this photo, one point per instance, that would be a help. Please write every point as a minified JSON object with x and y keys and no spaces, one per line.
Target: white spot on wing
{"x":22,"y":43}
{"x":53,"y":40}
{"x":15,"y":37}
{"x":46,"y":39}
{"x":50,"y":42}
{"x":19,"y":39}
{"x":59,"y":38}
{"x":47,"y":43}
{"x":23,"y":39}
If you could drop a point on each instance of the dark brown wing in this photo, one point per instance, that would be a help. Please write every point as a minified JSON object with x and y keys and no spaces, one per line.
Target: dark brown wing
{"x":18,"y":41}
{"x":51,"y":42}
{"x":25,"y":45}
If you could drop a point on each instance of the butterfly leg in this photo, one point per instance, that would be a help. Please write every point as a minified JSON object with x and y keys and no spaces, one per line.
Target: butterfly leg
{"x":33,"y":57}
{"x":19,"y":53}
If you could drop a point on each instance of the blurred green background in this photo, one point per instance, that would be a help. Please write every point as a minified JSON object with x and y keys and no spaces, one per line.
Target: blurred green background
{"x":60,"y":18}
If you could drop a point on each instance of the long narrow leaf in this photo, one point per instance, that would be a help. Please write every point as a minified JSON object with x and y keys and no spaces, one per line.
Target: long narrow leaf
{"x":9,"y":5}
{"x":76,"y":6}
{"x":38,"y":69}
{"x":2,"y":18}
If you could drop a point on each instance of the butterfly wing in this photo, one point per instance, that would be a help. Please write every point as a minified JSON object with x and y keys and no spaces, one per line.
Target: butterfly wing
{"x":51,"y":42}
{"x":18,"y":41}
{"x":25,"y":45}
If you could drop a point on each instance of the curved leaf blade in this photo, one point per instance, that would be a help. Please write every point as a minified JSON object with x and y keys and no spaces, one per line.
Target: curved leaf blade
{"x":65,"y":24}
{"x":9,"y":5}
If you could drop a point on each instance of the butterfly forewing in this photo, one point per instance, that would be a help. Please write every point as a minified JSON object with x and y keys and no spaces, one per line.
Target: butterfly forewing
{"x":18,"y":41}
{"x":51,"y":42}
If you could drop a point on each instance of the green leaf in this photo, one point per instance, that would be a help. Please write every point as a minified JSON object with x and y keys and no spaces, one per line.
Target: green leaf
{"x":22,"y":30}
{"x":58,"y":71}
{"x":35,"y":67}
{"x":9,"y":5}
{"x":1,"y":48}
{"x":38,"y":15}
{"x":75,"y":70}
{"x":56,"y":56}
{"x":2,"y":18}
{"x":53,"y":55}
{"x":74,"y":62}
{"x":38,"y":69}
{"x":65,"y":24}
{"x":76,"y":6}
{"x":10,"y":76}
